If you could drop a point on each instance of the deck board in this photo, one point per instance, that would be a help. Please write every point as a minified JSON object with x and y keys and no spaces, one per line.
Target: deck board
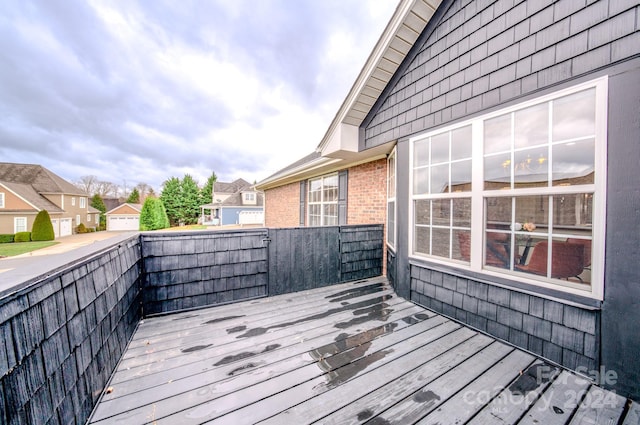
{"x":343,"y":354}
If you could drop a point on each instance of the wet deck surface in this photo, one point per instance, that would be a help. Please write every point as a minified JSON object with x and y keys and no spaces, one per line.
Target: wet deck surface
{"x":351,"y":353}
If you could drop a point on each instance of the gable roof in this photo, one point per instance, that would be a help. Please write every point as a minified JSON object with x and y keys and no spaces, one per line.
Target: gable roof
{"x":235,"y":200}
{"x":339,"y":146}
{"x":39,"y":178}
{"x":28,"y":194}
{"x":137,"y":207}
{"x":233,"y":187}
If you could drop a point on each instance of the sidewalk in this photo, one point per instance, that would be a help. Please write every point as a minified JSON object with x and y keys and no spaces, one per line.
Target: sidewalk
{"x":19,"y":269}
{"x":68,"y":243}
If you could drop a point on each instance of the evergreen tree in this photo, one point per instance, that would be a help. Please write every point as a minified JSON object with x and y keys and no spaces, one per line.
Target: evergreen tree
{"x":171,"y":198}
{"x":191,"y":200}
{"x":153,"y":215}
{"x":42,"y":229}
{"x":207,"y":190}
{"x":98,"y":203}
{"x":134,"y":197}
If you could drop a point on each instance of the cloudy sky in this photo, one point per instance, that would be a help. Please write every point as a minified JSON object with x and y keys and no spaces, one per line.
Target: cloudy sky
{"x":139,"y":91}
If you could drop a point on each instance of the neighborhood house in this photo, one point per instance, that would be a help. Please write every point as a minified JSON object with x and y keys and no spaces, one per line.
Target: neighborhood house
{"x":26,"y":189}
{"x":233,"y":203}
{"x":498,"y":142}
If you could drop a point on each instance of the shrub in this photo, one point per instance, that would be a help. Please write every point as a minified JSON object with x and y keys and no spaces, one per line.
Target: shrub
{"x":81,"y":228}
{"x":6,"y":238}
{"x":153,"y":215}
{"x":42,"y":229}
{"x":23,"y":237}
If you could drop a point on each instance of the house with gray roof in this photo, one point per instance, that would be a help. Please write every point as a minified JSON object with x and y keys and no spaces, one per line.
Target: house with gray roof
{"x":233,"y":203}
{"x":26,"y":189}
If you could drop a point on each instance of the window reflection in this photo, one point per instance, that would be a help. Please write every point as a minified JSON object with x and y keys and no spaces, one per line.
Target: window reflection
{"x":531,"y":126}
{"x":574,"y":116}
{"x":573,"y":163}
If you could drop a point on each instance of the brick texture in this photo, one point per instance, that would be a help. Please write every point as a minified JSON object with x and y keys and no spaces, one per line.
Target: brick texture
{"x":282,"y":206}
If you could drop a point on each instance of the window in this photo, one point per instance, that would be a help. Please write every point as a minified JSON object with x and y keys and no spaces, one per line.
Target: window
{"x":78,"y":220}
{"x":73,"y":201}
{"x":97,"y":218}
{"x":19,"y":224}
{"x":88,"y":218}
{"x":323,"y":201}
{"x":391,"y":199}
{"x":83,"y":202}
{"x":249,"y":196}
{"x":518,"y":192}
{"x":1,"y":200}
{"x":442,"y":194}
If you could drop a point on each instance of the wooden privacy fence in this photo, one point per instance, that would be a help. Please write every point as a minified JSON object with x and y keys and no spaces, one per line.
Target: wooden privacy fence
{"x":311,"y":257}
{"x":197,"y":269}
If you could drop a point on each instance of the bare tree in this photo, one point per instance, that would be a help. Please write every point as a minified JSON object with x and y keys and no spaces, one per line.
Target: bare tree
{"x":144,"y":190}
{"x":105,"y":189}
{"x":88,"y":184}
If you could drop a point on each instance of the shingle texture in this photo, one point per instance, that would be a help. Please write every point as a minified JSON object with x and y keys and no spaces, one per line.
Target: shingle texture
{"x":560,"y":332}
{"x":484,"y":53}
{"x":61,"y":338}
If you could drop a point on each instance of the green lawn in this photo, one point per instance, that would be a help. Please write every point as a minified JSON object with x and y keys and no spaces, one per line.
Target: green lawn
{"x":188,"y":227}
{"x":17,"y":248}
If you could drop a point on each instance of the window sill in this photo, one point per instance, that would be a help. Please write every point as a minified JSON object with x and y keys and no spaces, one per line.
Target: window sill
{"x":575,"y":300}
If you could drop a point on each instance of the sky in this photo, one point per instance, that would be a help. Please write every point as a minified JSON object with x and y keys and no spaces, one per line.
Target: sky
{"x":139,"y":91}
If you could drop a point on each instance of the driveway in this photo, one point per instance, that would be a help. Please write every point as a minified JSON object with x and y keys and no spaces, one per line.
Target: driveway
{"x":21,"y":268}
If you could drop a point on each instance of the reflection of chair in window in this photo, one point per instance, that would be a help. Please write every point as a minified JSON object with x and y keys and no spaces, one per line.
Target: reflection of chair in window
{"x":497,"y":250}
{"x":496,"y":253}
{"x":567,"y":260}
{"x":586,"y":243}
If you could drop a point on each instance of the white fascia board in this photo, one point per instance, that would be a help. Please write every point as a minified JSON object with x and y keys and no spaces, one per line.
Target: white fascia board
{"x":403,"y":9}
{"x":293,"y":174}
{"x":344,"y":137}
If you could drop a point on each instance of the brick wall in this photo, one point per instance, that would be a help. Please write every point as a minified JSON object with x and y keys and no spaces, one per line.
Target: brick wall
{"x":282,"y":206}
{"x":367,"y":203}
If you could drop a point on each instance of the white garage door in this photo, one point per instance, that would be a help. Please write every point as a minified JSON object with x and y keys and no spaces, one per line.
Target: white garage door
{"x":116,"y":223}
{"x":56,"y":227}
{"x":65,"y":226}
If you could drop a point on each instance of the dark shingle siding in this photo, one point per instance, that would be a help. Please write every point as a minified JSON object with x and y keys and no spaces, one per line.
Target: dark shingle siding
{"x":562,"y":333}
{"x":60,"y":346}
{"x":503,"y":50}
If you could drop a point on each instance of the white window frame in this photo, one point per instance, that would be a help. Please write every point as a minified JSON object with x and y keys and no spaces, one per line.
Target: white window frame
{"x":1,"y":199}
{"x":78,"y":220}
{"x":322,"y":202}
{"x":73,"y":201}
{"x":24,"y":227}
{"x":83,"y":202}
{"x":478,"y":195}
{"x":392,"y":186}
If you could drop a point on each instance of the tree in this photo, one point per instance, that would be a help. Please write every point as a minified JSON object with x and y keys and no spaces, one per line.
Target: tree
{"x":98,"y":203}
{"x":144,"y":190}
{"x":207,"y":190}
{"x":88,"y":184}
{"x":42,"y":229}
{"x":103,"y":188}
{"x":191,"y":200}
{"x":153,"y":215}
{"x":134,"y":197}
{"x":171,"y":198}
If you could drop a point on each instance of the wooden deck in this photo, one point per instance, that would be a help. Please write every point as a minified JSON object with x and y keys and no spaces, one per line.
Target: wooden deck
{"x":350,"y":353}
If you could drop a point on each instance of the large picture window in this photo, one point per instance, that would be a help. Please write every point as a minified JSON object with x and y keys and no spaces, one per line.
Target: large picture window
{"x":323,"y":201}
{"x":518,"y":192}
